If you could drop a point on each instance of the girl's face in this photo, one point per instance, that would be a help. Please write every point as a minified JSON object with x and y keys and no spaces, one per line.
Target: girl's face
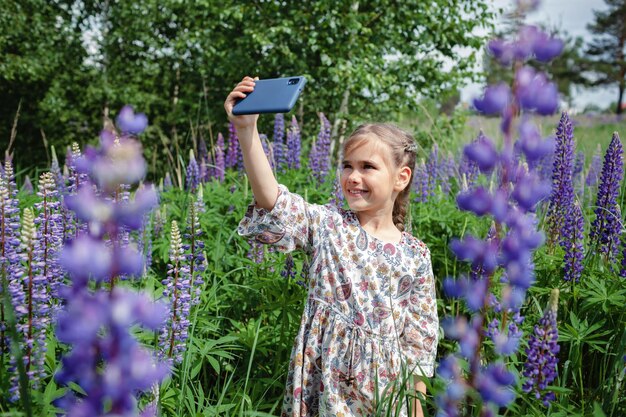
{"x":369,"y":179}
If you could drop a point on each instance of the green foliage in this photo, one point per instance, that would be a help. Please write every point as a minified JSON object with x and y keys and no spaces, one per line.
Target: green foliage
{"x":242,"y":331}
{"x":72,"y":63}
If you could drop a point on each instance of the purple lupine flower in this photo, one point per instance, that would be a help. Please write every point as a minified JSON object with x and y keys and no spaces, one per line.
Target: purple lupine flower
{"x":338,"y":197}
{"x":293,"y":145}
{"x":547,"y":48}
{"x":50,"y":224}
{"x":268,"y":149}
{"x":593,"y":174}
{"x":495,"y":99}
{"x":30,"y":297}
{"x":145,"y":232}
{"x":75,"y":179}
{"x":572,"y":243}
{"x":482,"y":151}
{"x":420,"y":182}
{"x":27,"y":187}
{"x":167,"y":181}
{"x":206,"y":173}
{"x":606,"y":227}
{"x":507,"y":254}
{"x":531,"y":143}
{"x":494,"y":384}
{"x":540,"y":367}
{"x":129,"y":369}
{"x":116,"y":162}
{"x":105,"y":359}
{"x":448,"y":402}
{"x":220,"y":164}
{"x":278,"y":142}
{"x":9,"y":242}
{"x":447,"y":169}
{"x":55,"y":169}
{"x":530,"y":42}
{"x":129,"y":122}
{"x":562,"y":195}
{"x":256,"y":251}
{"x":195,"y":257}
{"x":432,"y":168}
{"x":319,"y":157}
{"x":234,"y":158}
{"x":579,"y":164}
{"x":535,"y":93}
{"x":468,"y":172}
{"x":505,"y":342}
{"x":193,"y":174}
{"x":173,"y":335}
{"x":289,"y":269}
{"x":145,"y":242}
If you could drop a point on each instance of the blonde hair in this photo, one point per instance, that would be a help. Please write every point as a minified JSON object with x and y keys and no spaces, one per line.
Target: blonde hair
{"x":403,"y":153}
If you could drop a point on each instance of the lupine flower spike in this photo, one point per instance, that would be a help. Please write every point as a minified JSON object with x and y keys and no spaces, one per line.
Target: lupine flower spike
{"x":540,"y":367}
{"x":509,"y":248}
{"x":177,"y":291}
{"x":220,"y":166}
{"x":30,"y":295}
{"x":293,"y":145}
{"x":50,"y":223}
{"x":193,"y":173}
{"x":105,"y":359}
{"x":562,"y":196}
{"x":278,"y":142}
{"x":573,"y":243}
{"x":9,"y":242}
{"x":606,"y":227}
{"x":319,"y":157}
{"x":195,"y":257}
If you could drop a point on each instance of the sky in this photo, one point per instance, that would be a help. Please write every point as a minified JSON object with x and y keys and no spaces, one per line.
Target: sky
{"x":571,"y":16}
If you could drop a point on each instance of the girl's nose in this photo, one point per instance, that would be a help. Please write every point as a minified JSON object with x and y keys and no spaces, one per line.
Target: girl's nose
{"x":353,"y":177}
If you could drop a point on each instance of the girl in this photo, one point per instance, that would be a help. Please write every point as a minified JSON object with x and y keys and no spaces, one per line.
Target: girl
{"x":370,"y":316}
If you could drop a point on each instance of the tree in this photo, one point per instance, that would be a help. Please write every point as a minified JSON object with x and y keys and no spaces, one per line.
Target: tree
{"x":177,"y":60}
{"x":42,"y":73}
{"x":607,"y":48}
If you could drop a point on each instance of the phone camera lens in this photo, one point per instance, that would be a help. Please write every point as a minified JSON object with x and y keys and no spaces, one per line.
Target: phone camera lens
{"x":293,"y":81}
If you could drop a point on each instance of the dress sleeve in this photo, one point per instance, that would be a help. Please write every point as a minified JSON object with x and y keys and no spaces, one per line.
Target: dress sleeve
{"x":421,"y":329}
{"x":289,"y":225}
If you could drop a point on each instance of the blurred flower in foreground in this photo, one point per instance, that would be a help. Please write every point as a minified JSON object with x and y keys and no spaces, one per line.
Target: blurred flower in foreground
{"x":105,"y":359}
{"x":129,"y":122}
{"x":502,"y":268}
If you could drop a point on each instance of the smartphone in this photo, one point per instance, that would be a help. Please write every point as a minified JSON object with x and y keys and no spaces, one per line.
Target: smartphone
{"x":272,"y":95}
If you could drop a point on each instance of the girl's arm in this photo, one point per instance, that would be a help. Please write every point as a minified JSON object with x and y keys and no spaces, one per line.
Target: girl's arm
{"x":260,"y":175}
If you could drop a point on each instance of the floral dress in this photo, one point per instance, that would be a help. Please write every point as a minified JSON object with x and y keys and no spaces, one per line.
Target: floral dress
{"x":370,"y":314}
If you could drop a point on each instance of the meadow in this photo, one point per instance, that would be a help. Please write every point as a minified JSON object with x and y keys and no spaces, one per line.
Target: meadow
{"x":237,"y":341}
{"x":126,"y":289}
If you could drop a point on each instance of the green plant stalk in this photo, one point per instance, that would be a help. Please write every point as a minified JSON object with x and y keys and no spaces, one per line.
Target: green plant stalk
{"x":16,"y":351}
{"x":245,"y":386}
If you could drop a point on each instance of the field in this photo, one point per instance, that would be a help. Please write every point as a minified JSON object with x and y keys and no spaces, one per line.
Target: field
{"x":229,"y":346}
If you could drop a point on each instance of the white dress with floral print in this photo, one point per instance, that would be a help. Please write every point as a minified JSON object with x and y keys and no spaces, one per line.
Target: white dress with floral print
{"x":370,"y":312}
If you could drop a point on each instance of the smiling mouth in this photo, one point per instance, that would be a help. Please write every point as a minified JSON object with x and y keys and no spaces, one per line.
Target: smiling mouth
{"x":357,"y":192}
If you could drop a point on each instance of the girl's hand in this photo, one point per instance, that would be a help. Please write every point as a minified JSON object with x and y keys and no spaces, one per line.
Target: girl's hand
{"x":245,"y":121}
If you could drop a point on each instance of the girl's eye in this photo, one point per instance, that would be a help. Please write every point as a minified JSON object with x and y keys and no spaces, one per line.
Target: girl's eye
{"x":368,"y":166}
{"x":346,"y":166}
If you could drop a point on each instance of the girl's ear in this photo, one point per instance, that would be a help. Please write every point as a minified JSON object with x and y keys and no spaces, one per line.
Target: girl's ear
{"x":403,"y":178}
